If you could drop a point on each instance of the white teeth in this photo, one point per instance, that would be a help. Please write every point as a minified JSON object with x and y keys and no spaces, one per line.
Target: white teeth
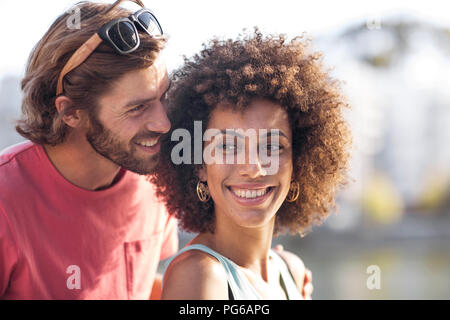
{"x":148,"y":143}
{"x":249,"y":194}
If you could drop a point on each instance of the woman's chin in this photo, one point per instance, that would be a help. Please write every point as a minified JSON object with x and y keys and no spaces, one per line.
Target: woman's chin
{"x":250,"y":217}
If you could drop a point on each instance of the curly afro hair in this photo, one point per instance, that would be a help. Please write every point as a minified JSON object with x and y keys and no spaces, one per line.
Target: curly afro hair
{"x":236,"y":72}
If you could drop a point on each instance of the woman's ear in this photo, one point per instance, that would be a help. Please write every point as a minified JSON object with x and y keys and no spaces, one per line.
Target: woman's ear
{"x":71,"y":116}
{"x":201,"y":173}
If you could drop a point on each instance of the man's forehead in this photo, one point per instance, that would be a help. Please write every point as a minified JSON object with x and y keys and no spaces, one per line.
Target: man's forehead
{"x":159,"y":67}
{"x":138,"y":85}
{"x":153,"y":74}
{"x":156,"y":73}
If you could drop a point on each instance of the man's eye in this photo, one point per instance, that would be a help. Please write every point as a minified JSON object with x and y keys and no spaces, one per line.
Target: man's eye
{"x":137,"y":108}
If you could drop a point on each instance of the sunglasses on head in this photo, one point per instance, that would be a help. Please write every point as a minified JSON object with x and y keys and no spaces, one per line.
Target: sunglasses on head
{"x":121,"y":34}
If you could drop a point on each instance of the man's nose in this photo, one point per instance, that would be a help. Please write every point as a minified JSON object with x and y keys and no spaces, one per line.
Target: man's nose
{"x":157,"y":120}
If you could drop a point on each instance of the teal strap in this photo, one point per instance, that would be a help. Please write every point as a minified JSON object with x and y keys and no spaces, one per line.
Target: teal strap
{"x":290,"y":286}
{"x":238,"y":282}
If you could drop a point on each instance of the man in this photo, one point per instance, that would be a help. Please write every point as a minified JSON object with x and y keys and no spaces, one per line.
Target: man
{"x":78,"y":219}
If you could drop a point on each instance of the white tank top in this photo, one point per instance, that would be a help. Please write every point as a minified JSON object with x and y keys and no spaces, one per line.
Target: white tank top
{"x":239,"y":285}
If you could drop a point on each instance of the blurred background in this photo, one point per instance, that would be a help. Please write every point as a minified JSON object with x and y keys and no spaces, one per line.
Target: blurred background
{"x":393,"y":60}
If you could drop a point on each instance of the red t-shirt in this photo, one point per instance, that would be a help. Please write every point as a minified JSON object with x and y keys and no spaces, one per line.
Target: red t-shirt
{"x":59,"y":241}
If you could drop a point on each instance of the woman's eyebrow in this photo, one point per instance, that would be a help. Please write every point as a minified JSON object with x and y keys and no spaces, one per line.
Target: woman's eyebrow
{"x":277,"y":132}
{"x":232,"y":132}
{"x":272,"y":132}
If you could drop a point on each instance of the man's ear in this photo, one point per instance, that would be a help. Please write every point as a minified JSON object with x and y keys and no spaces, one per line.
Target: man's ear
{"x":71,"y":116}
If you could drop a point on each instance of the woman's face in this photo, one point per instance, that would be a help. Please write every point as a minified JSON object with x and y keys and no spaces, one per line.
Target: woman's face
{"x":249,"y":192}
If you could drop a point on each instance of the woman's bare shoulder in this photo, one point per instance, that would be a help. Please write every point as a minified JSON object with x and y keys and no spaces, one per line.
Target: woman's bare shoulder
{"x":195,"y":275}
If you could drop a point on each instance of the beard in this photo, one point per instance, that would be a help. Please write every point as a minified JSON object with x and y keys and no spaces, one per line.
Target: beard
{"x":124,"y":154}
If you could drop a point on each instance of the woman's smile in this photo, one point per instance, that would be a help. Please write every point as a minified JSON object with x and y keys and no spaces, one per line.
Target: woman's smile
{"x":250,"y":195}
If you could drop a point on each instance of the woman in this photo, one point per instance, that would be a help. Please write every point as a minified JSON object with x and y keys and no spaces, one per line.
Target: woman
{"x":275,"y":149}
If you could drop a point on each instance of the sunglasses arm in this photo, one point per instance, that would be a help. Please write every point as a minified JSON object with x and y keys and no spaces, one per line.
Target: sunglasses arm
{"x":78,"y":58}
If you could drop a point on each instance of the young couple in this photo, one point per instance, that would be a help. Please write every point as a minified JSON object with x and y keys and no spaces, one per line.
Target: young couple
{"x":90,"y":204}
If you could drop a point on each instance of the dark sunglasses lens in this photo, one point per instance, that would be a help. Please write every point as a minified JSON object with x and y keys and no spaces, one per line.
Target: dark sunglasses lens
{"x":148,"y":22}
{"x":124,"y":36}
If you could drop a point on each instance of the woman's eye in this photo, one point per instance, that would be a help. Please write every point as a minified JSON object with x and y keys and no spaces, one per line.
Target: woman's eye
{"x":227,"y":147}
{"x":273,"y":147}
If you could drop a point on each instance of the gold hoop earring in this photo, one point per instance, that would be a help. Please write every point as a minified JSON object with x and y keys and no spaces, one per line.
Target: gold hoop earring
{"x":294,"y":192}
{"x":203,"y":192}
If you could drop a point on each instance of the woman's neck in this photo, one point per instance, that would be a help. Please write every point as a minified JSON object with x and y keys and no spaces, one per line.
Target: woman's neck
{"x":247,"y":247}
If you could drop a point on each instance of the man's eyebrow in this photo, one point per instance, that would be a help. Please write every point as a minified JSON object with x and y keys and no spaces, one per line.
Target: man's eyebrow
{"x":138,"y":102}
{"x":144,"y":101}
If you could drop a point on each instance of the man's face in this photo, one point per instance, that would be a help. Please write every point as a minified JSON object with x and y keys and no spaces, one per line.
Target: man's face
{"x":131,"y":118}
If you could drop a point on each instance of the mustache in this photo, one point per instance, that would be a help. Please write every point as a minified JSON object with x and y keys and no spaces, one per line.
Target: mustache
{"x":146,"y":135}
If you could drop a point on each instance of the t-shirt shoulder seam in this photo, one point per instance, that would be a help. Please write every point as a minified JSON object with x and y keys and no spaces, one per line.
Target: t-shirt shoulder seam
{"x":16,"y":154}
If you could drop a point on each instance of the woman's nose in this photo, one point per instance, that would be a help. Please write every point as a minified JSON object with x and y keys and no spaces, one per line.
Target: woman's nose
{"x":252,"y":167}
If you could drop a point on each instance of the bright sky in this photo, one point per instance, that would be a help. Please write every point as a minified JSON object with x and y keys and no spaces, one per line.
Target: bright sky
{"x":190,"y":23}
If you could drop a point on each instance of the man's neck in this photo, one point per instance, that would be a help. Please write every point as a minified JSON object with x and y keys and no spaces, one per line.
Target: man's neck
{"x":80,"y":164}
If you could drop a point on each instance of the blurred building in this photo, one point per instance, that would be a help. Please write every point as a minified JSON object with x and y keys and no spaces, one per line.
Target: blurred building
{"x":395,"y":74}
{"x":10,"y":99}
